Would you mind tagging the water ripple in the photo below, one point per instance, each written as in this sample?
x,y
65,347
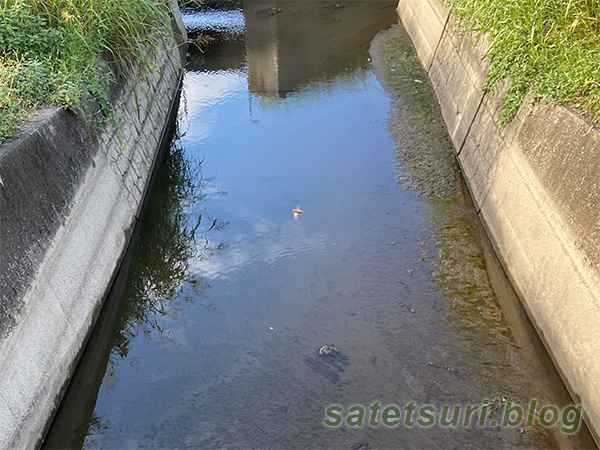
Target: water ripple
x,y
270,249
231,22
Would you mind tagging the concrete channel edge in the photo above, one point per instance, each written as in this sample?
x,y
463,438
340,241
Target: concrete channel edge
x,y
69,257
536,185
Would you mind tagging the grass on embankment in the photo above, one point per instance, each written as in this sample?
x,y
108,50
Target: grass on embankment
x,y
550,48
57,51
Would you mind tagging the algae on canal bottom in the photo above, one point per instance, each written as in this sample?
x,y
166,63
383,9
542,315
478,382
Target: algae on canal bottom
x,y
482,306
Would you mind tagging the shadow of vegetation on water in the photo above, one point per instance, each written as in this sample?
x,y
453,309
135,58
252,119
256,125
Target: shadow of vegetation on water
x,y
171,238
155,271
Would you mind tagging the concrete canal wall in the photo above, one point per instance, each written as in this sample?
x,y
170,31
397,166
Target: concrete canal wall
x,y
536,185
70,194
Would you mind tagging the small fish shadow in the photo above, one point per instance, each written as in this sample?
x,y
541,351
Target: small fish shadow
x,y
330,366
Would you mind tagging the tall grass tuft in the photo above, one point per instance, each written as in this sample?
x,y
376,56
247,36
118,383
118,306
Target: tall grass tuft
x,y
550,48
57,51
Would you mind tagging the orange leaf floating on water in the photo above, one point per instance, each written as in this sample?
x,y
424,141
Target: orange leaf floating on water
x,y
297,211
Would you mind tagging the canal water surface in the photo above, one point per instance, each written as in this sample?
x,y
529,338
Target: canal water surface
x,y
211,335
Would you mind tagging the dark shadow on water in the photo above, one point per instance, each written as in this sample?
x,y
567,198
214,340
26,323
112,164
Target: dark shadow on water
x,y
283,54
168,238
286,44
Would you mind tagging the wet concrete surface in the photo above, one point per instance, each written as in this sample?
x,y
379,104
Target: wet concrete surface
x,y
212,333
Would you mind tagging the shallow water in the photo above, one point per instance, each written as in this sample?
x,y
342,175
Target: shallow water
x,y
211,335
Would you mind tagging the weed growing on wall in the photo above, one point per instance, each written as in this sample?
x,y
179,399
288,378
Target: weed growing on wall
x,y
57,52
550,48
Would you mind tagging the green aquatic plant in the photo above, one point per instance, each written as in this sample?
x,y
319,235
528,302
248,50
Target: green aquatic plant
x,y
548,48
57,52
